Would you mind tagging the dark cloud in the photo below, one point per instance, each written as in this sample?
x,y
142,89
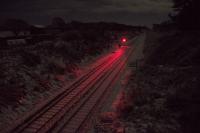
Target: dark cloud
x,y
122,11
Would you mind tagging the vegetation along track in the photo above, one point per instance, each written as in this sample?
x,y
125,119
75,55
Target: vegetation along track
x,y
69,110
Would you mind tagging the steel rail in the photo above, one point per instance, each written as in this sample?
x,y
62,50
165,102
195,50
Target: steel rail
x,y
41,111
28,122
86,109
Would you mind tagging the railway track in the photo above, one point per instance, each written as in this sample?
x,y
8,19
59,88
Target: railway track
x,y
70,110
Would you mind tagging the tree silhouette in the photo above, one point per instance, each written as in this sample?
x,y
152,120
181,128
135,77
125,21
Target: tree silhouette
x,y
16,25
187,14
58,22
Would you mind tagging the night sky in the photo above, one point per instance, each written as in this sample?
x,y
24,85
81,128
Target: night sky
x,y
133,12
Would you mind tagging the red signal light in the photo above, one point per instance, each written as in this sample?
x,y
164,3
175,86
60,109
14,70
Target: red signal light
x,y
124,40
